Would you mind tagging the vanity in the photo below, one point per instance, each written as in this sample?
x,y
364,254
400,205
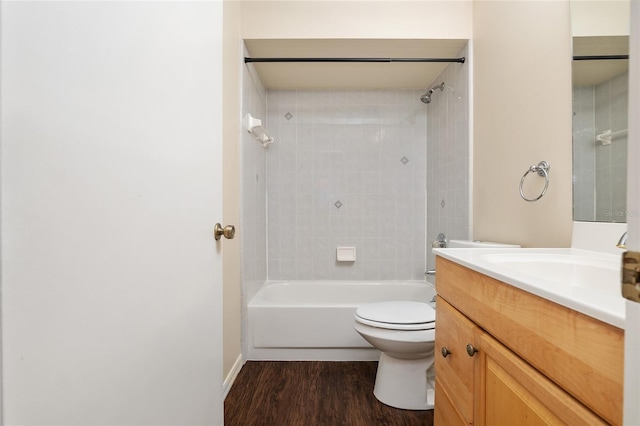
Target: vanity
x,y
528,336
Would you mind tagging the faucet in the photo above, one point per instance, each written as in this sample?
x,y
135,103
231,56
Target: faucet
x,y
440,242
622,243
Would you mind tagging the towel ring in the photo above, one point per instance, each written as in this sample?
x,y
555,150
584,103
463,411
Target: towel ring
x,y
542,169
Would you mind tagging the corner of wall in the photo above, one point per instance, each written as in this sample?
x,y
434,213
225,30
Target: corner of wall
x,y
231,183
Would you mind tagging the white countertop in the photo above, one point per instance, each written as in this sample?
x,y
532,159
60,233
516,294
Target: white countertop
x,y
582,280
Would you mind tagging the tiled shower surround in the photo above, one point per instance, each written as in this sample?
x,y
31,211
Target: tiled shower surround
x,y
448,158
254,190
348,168
253,184
600,170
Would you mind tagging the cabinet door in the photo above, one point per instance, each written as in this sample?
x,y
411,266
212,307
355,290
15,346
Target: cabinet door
x,y
512,392
445,413
455,371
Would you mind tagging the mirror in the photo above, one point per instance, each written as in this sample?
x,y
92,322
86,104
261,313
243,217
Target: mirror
x,y
600,110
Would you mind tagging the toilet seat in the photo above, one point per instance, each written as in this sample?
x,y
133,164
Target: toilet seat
x,y
397,315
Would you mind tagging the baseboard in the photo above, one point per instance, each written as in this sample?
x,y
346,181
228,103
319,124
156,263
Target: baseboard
x,y
313,354
231,377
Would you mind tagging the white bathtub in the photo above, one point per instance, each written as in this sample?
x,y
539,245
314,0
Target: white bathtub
x,y
313,320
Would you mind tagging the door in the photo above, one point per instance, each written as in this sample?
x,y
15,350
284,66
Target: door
x,y
632,327
111,186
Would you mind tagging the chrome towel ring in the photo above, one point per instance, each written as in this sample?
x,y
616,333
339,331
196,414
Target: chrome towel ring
x,y
542,169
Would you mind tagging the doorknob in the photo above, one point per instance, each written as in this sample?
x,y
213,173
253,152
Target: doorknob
x,y
228,231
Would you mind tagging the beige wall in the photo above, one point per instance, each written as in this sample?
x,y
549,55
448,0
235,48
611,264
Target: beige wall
x,y
522,115
232,286
356,19
600,18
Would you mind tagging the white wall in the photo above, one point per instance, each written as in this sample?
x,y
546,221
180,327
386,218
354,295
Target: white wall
x,y
110,188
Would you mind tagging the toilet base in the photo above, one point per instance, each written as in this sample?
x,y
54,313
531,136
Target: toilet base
x,y
405,383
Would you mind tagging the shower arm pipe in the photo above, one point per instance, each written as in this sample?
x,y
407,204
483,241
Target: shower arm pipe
x,y
600,57
384,60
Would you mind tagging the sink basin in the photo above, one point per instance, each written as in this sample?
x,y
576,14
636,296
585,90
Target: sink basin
x,y
589,272
582,280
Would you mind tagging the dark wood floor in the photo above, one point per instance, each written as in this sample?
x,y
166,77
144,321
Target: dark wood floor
x,y
310,393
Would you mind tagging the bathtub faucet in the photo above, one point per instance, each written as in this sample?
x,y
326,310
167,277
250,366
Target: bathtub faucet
x,y
440,242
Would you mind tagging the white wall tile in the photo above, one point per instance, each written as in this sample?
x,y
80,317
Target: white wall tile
x,y
448,159
253,179
354,157
347,145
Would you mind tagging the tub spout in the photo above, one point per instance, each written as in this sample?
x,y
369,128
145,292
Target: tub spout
x,y
431,272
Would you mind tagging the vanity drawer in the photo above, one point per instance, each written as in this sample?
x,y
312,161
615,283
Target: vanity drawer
x,y
584,356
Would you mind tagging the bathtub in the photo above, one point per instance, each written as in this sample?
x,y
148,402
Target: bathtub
x,y
313,320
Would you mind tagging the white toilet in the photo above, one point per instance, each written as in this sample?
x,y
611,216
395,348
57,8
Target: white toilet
x,y
405,333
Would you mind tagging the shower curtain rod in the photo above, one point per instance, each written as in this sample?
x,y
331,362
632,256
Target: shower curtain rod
x,y
458,60
599,57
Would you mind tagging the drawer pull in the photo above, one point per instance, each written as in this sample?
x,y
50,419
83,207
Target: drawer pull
x,y
445,352
471,351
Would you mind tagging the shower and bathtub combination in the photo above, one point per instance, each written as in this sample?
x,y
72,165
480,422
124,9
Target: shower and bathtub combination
x,y
346,167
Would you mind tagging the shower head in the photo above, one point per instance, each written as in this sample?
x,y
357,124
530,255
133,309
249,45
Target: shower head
x,y
426,98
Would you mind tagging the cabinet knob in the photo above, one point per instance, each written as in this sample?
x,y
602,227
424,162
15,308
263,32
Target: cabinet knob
x,y
471,351
445,352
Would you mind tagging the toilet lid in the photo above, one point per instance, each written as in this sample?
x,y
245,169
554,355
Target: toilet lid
x,y
400,315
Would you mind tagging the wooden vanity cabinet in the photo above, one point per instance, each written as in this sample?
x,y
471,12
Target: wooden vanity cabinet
x,y
529,362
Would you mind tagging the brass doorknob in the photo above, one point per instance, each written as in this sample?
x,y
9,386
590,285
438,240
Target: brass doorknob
x,y
228,231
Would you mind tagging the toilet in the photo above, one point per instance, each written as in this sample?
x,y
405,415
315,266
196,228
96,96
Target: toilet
x,y
404,332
